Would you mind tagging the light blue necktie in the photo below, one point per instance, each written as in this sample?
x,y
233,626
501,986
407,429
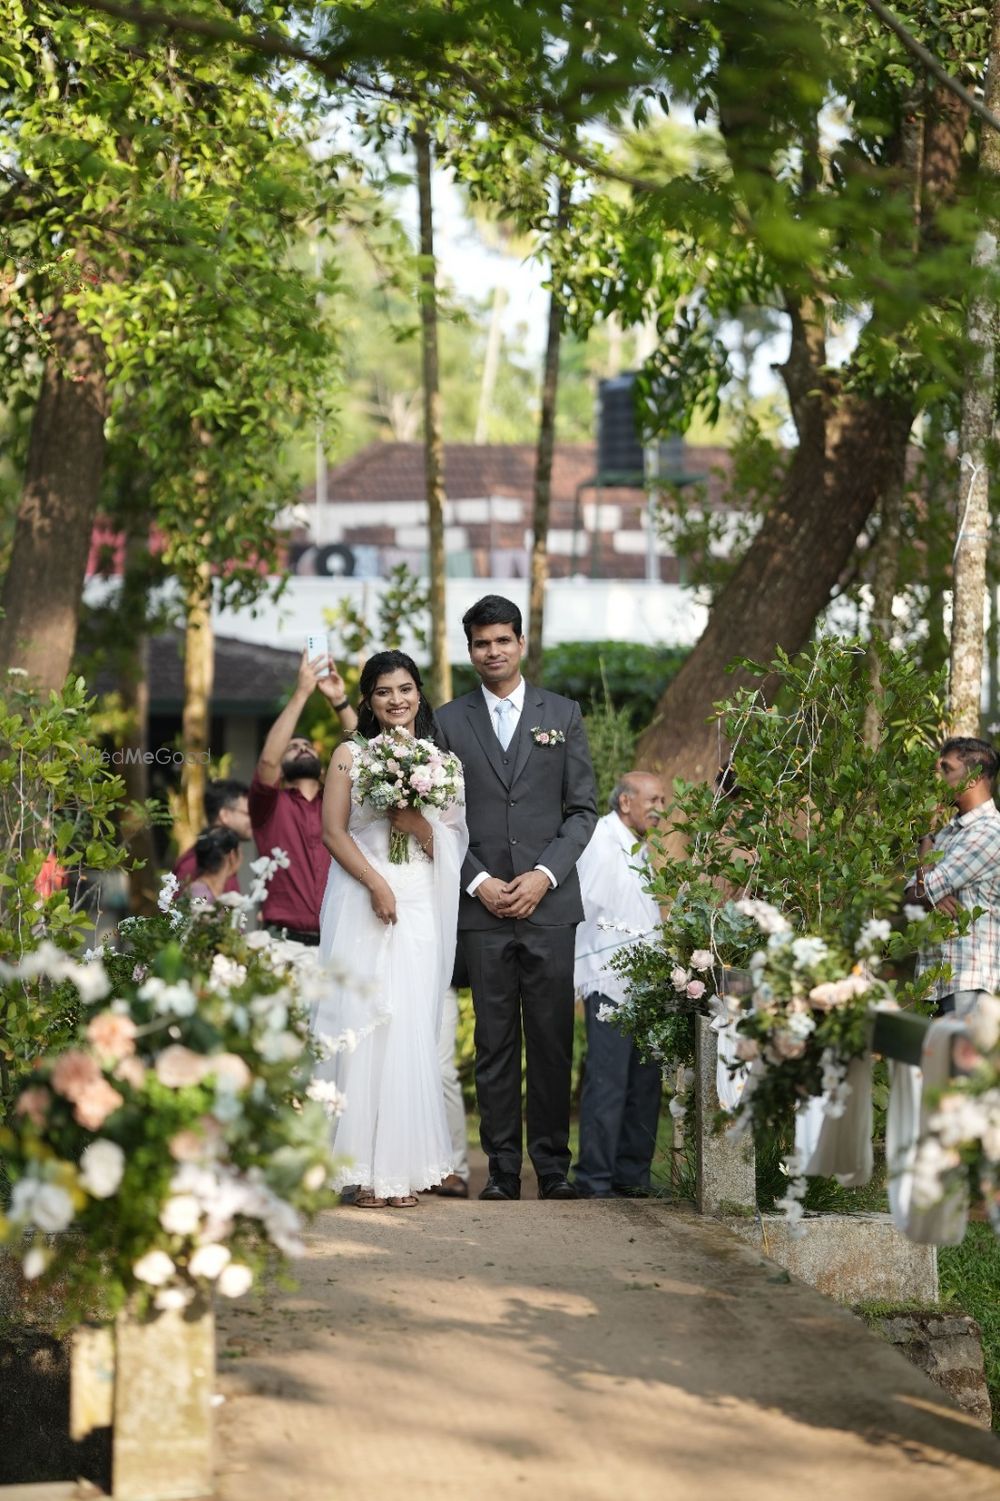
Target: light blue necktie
x,y
505,723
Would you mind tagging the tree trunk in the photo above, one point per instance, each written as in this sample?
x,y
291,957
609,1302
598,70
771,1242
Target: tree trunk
x,y
133,685
786,577
199,672
491,364
543,459
44,582
440,674
973,510
884,581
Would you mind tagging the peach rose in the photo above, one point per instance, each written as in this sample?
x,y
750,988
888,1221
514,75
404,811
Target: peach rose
x,y
229,1069
73,1073
34,1103
112,1036
131,1071
95,1104
177,1066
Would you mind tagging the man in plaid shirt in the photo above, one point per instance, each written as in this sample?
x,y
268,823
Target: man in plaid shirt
x,y
965,874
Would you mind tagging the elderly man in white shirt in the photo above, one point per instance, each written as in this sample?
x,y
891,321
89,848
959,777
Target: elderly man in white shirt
x,y
620,1108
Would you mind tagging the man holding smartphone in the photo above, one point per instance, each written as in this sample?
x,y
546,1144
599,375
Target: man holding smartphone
x,y
286,806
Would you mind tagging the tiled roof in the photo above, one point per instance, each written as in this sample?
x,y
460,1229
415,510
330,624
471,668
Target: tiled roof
x,y
249,678
395,471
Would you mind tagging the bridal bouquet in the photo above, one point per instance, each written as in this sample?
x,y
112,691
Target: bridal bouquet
x,y
395,770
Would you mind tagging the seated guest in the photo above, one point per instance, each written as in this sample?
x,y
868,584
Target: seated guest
x,y
217,858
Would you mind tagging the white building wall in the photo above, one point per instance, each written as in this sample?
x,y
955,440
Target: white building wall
x,y
575,610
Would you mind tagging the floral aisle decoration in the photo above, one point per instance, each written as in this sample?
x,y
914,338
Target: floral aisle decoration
x,y
179,1138
960,1145
396,770
806,1024
674,974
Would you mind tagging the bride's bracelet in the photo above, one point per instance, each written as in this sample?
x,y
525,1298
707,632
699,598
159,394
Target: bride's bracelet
x,y
362,873
427,844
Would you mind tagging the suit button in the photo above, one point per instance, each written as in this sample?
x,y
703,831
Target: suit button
x,y
513,802
513,841
506,760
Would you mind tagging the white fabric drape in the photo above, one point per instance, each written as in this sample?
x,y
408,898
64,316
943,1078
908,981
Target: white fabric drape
x,y
843,1147
944,1223
386,1014
729,1086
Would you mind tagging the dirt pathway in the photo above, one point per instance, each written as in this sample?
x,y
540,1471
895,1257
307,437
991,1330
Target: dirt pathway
x,y
570,1352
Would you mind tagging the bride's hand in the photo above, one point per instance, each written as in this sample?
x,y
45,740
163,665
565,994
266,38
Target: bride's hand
x,y
383,902
409,821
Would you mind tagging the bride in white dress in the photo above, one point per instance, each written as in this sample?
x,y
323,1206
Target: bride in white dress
x,y
393,928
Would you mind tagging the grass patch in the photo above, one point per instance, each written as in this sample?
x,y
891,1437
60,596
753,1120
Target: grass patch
x,y
970,1280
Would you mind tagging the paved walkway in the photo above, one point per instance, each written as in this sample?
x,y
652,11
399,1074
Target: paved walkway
x,y
570,1352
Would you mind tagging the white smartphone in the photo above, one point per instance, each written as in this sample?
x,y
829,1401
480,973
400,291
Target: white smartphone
x,y
317,645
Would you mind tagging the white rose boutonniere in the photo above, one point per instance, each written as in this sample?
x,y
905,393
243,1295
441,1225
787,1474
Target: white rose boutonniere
x,y
547,737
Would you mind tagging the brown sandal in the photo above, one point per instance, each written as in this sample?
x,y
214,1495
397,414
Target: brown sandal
x,y
406,1202
366,1199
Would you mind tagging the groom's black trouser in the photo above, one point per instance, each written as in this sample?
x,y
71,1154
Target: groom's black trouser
x,y
519,969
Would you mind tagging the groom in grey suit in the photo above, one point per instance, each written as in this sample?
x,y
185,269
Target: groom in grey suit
x,y
531,805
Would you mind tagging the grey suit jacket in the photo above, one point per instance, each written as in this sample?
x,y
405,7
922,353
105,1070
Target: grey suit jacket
x,y
527,805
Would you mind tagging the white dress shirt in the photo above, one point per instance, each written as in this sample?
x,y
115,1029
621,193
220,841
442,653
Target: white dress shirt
x,y
613,890
516,700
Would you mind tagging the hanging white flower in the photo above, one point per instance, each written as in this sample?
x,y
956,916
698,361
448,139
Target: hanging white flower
x,y
209,1261
328,1095
235,1280
173,1299
181,1215
155,1268
702,959
45,1205
177,998
102,1167
808,951
874,932
34,1263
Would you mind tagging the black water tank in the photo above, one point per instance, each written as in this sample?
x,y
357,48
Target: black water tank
x,y
619,441
619,446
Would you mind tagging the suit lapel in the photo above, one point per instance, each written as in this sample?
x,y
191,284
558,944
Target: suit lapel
x,y
479,718
523,744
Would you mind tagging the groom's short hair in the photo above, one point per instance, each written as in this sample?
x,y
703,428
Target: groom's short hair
x,y
492,609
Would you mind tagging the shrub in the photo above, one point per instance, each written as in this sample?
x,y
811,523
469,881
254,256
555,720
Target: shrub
x,y
59,801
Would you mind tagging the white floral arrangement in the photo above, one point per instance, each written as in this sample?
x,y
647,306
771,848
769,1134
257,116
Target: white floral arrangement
x,y
807,1017
542,736
961,1142
397,770
180,1136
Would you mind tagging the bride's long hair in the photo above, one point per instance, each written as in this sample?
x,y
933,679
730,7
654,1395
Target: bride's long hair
x,y
384,662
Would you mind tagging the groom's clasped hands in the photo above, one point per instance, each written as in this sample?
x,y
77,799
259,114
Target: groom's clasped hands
x,y
516,898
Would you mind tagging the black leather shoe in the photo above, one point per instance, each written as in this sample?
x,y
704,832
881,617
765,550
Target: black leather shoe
x,y
500,1186
632,1191
555,1186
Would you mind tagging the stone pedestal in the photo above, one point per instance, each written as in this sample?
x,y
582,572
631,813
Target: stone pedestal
x,y
726,1183
854,1258
152,1379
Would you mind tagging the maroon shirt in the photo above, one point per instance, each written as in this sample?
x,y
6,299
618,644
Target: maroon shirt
x,y
186,870
282,816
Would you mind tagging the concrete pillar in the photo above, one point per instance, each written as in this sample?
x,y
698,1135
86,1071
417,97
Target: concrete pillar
x,y
725,1183
164,1377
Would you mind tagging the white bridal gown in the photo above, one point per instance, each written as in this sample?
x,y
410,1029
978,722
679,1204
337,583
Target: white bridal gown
x,y
393,1135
